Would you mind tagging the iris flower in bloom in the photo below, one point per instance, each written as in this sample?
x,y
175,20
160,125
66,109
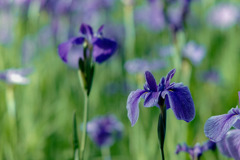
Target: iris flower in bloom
x,y
197,150
105,130
151,15
217,129
176,96
141,65
15,76
194,52
102,48
223,15
230,144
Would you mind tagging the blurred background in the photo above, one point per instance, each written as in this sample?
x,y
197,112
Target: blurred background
x,y
200,38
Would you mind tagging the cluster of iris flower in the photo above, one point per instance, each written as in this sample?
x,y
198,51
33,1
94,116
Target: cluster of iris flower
x,y
83,51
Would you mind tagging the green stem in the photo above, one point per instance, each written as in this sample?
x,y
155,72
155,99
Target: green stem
x,y
176,58
186,72
11,107
162,126
106,155
85,117
130,29
75,139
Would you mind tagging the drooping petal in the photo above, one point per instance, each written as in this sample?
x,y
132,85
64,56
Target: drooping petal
x,y
169,77
64,48
151,99
151,81
78,40
132,105
179,99
233,143
217,126
103,49
222,147
86,30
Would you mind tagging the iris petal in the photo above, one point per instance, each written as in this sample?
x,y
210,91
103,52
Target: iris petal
x,y
169,77
179,99
151,81
132,105
237,124
217,126
64,48
151,99
223,148
103,49
86,30
233,143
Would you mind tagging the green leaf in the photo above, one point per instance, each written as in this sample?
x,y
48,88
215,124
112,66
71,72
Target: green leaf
x,y
162,128
75,139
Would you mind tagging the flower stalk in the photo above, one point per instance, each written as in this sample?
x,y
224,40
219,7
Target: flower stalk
x,y
11,107
106,155
85,74
162,126
75,139
85,117
130,29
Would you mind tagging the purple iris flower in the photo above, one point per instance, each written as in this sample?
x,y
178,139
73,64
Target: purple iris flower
x,y
166,51
102,48
230,144
216,127
194,52
105,130
176,96
212,76
151,15
141,65
223,15
16,76
7,24
177,13
197,150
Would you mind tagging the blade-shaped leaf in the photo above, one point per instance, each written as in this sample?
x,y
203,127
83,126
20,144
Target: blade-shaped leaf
x,y
75,139
162,128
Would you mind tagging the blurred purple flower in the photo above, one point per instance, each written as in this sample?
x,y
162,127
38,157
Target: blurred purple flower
x,y
102,48
93,5
16,76
140,65
211,76
177,13
56,7
151,15
230,144
223,15
194,52
176,96
197,150
24,2
216,127
105,130
166,50
116,88
174,18
7,22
